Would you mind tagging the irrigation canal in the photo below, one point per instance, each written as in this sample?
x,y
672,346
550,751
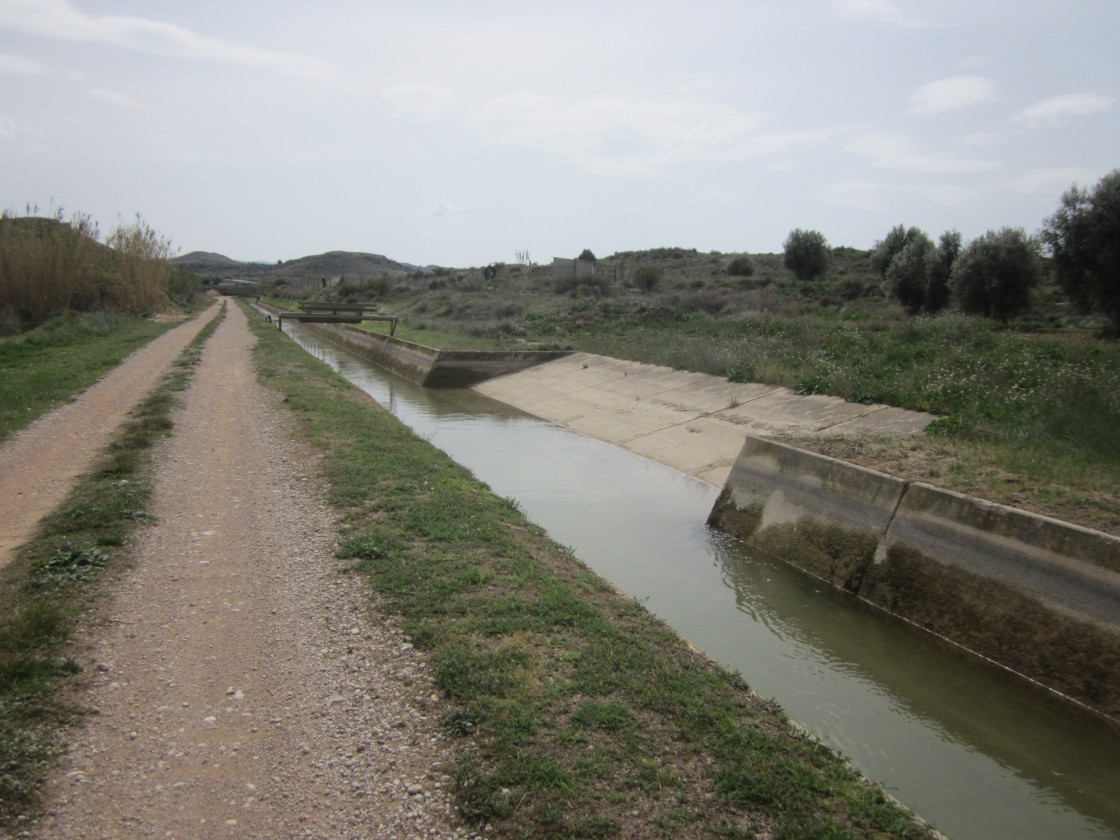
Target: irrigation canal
x,y
957,740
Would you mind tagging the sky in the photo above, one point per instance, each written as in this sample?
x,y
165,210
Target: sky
x,y
464,133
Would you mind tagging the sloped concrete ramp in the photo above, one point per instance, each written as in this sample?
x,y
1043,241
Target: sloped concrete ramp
x,y
693,422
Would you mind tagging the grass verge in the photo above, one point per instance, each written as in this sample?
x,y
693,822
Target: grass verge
x,y
580,714
45,367
54,579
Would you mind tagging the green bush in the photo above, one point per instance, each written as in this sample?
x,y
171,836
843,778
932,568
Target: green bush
x,y
805,253
994,275
741,267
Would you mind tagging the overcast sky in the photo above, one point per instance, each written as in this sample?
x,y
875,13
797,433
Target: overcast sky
x,y
459,133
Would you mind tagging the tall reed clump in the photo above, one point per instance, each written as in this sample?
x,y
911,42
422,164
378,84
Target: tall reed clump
x,y
49,265
140,259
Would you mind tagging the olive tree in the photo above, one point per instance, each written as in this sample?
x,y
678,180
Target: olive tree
x,y
937,285
994,274
908,273
1083,237
806,253
915,271
890,245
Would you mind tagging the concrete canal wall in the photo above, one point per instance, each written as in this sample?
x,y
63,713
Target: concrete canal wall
x,y
1038,596
425,365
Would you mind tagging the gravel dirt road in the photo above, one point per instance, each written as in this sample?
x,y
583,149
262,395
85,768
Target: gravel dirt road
x,y
40,464
243,686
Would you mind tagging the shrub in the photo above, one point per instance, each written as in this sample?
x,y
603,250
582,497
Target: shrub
x,y
908,274
647,278
1083,237
741,267
994,275
937,287
806,253
884,252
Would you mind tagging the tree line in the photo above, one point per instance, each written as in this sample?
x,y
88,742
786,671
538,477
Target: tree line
x,y
993,275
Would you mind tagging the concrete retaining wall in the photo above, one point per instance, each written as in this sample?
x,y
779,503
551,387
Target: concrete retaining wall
x,y
425,365
1035,595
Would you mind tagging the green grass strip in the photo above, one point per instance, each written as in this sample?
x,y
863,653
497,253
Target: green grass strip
x,y
54,579
51,364
579,713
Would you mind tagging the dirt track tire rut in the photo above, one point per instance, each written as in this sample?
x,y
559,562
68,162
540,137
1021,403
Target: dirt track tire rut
x,y
243,687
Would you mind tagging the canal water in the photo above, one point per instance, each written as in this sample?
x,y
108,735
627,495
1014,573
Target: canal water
x,y
958,741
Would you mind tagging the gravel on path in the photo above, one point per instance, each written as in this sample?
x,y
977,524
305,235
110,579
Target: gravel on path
x,y
39,465
243,685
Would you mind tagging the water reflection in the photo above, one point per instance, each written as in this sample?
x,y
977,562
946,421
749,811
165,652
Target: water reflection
x,y
960,742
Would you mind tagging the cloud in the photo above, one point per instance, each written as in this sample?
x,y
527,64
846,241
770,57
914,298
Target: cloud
x,y
875,195
10,129
898,152
629,138
952,94
113,97
424,100
60,20
446,207
1050,181
15,65
879,11
1057,109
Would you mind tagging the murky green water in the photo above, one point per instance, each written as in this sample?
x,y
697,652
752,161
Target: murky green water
x,y
960,742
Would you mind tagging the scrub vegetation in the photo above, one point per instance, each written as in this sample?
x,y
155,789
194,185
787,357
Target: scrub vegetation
x,y
54,579
579,713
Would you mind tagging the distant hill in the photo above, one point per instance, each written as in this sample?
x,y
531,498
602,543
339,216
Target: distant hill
x,y
203,258
350,265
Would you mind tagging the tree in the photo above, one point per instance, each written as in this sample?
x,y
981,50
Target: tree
x,y
885,250
587,255
994,274
806,253
1083,237
937,287
909,272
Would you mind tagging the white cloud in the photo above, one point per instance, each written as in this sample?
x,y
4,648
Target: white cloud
x,y
629,138
1050,181
60,20
113,97
952,94
446,207
10,129
874,195
862,195
424,100
900,153
15,65
879,11
1057,109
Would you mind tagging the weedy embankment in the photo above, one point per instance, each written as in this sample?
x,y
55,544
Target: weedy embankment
x,y
580,714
